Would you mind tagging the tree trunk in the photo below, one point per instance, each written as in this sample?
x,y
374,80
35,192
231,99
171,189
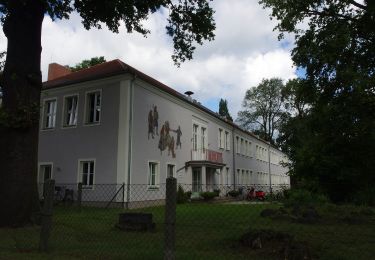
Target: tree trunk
x,y
19,122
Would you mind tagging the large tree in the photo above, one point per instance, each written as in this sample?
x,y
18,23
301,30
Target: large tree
x,y
263,108
332,144
189,23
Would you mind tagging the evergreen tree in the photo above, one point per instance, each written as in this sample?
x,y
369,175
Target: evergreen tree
x,y
223,110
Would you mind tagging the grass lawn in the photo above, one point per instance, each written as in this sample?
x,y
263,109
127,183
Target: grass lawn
x,y
204,231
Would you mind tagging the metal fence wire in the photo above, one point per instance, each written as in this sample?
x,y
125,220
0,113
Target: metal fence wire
x,y
181,221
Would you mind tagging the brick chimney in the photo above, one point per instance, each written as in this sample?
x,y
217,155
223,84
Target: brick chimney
x,y
56,71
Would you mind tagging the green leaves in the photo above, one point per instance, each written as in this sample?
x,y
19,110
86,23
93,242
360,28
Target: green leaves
x,y
263,108
87,63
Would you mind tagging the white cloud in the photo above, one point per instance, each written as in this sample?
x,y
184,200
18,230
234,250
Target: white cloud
x,y
244,52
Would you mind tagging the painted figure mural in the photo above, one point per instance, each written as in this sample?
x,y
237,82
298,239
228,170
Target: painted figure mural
x,y
153,122
167,140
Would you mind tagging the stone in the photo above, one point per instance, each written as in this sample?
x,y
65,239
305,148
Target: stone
x,y
136,222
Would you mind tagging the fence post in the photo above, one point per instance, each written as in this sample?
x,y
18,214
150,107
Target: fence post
x,y
46,213
79,196
123,195
170,218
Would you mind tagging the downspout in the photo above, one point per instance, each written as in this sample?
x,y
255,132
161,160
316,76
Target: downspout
x,y
234,160
269,166
130,138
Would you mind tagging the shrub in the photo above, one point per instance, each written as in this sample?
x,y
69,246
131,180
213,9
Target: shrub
x,y
208,195
234,193
303,198
217,191
182,196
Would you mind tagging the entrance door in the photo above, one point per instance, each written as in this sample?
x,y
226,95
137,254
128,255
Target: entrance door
x,y
197,180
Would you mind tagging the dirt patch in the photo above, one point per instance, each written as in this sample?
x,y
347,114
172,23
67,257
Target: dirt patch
x,y
279,244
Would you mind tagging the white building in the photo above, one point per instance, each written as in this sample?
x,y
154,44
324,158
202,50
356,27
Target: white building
x,y
112,124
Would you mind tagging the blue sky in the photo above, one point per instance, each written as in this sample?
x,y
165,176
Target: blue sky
x,y
245,51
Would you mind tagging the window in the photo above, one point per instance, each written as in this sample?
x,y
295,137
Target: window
x,y
171,170
246,146
70,110
195,137
241,147
238,176
93,107
227,141
249,149
203,138
49,113
153,175
87,172
220,138
227,177
243,180
238,144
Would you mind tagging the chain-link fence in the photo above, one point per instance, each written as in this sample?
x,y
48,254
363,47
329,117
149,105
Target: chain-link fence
x,y
106,221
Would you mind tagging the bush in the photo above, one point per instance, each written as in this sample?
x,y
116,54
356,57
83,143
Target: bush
x,y
182,196
303,198
217,191
208,195
234,193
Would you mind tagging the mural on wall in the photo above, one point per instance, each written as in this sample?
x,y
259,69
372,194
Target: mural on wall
x,y
167,139
153,122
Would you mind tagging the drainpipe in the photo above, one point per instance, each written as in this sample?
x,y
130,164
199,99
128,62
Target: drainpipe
x,y
234,160
130,138
269,166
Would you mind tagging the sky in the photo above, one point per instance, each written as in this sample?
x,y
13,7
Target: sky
x,y
245,51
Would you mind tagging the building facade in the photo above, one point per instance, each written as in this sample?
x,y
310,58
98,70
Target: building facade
x,y
112,124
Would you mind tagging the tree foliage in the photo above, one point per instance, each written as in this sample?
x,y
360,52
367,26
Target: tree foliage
x,y
263,108
189,22
87,63
223,110
332,142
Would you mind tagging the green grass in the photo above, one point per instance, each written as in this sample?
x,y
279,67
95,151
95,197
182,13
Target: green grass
x,y
204,231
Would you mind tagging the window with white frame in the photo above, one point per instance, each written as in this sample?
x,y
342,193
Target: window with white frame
x,y
171,170
195,137
249,149
246,152
70,110
87,173
93,107
242,147
221,138
238,149
203,139
227,177
49,117
227,141
153,174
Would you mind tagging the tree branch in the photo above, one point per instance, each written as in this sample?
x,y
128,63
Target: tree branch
x,y
358,4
